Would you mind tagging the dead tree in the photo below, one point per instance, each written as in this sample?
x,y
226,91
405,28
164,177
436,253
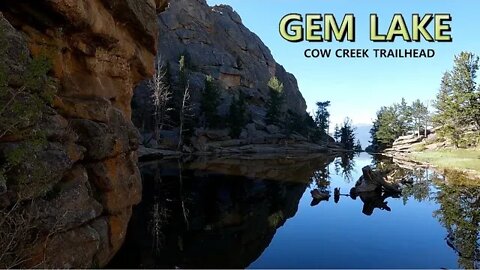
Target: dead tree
x,y
185,111
161,96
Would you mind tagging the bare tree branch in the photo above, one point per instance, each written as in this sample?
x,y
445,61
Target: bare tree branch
x,y
161,96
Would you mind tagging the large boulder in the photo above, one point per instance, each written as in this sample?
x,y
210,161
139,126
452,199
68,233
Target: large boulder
x,y
372,181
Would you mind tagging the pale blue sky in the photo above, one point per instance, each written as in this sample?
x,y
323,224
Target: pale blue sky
x,y
357,88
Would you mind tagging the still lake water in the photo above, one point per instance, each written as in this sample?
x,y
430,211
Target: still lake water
x,y
244,213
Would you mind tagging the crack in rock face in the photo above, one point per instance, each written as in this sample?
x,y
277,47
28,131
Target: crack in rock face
x,y
100,50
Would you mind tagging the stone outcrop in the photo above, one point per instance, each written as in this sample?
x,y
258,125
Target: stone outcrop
x,y
218,44
100,49
373,180
215,43
414,142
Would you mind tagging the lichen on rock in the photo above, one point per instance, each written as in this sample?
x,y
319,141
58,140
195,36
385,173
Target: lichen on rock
x,y
99,50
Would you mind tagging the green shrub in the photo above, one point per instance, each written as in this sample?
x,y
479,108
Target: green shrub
x,y
237,116
21,109
274,104
210,102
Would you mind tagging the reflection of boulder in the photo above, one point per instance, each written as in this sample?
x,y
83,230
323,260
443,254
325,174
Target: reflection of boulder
x,y
371,200
318,196
373,190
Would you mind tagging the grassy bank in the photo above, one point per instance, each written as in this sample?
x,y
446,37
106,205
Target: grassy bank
x,y
455,159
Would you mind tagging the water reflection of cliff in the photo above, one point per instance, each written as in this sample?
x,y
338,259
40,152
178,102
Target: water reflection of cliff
x,y
217,214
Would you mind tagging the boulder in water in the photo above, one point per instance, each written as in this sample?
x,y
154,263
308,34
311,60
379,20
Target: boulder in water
x,y
372,180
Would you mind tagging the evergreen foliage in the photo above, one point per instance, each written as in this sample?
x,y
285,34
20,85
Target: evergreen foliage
x,y
275,102
347,135
237,116
397,120
419,115
358,147
322,116
458,100
457,110
210,102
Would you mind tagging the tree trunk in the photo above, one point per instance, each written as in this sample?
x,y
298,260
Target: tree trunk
x,y
183,111
426,128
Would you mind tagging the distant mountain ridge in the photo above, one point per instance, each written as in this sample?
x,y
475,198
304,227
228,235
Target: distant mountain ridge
x,y
363,134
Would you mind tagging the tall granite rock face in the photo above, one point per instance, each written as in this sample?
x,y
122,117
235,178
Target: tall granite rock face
x,y
216,43
100,50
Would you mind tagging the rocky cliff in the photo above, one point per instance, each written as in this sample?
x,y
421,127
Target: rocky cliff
x,y
218,44
99,49
215,43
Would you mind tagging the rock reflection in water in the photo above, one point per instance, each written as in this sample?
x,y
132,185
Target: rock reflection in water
x,y
373,199
217,214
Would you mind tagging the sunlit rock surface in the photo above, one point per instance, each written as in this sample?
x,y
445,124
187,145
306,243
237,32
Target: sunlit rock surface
x,y
215,43
100,50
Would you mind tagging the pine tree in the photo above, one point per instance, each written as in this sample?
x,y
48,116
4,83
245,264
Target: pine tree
x,y
322,116
294,123
358,146
210,102
458,101
336,133
237,117
313,132
464,87
405,116
375,144
387,128
274,104
419,114
347,135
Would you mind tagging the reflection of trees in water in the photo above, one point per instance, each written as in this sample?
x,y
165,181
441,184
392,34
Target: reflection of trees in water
x,y
344,165
459,213
159,217
420,183
420,191
158,214
459,205
416,181
321,179
372,200
205,218
182,194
